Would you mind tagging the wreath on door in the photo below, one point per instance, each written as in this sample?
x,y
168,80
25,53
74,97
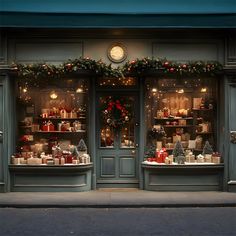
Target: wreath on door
x,y
116,112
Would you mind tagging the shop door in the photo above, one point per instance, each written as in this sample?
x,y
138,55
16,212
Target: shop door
x,y
117,145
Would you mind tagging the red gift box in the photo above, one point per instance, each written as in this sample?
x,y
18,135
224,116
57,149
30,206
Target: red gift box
x,y
48,127
68,159
161,155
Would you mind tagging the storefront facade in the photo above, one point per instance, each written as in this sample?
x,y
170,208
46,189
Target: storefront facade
x,y
43,119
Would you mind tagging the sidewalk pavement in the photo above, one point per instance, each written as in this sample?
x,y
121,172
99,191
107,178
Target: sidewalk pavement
x,y
115,198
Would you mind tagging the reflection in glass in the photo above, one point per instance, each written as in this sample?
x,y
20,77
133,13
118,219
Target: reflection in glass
x,y
114,82
127,135
107,136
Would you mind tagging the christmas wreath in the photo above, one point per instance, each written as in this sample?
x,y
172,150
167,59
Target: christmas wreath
x,y
116,112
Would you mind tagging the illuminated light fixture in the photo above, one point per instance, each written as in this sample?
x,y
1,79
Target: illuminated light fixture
x,y
180,91
24,90
79,90
154,90
53,95
203,90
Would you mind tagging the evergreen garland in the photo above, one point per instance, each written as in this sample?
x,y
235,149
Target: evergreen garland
x,y
33,72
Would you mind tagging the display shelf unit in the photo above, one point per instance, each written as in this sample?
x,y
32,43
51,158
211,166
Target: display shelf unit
x,y
51,178
188,177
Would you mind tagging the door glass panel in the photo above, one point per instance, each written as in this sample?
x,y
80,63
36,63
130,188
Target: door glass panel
x,y
107,136
127,135
117,121
106,130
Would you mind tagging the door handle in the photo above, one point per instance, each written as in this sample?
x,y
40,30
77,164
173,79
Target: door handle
x,y
136,145
1,133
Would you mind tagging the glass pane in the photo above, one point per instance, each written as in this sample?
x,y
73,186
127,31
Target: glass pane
x,y
117,82
106,130
181,110
127,136
116,120
107,137
52,119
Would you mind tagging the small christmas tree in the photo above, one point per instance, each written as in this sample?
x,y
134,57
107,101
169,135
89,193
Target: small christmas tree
x,y
178,150
82,146
150,152
207,149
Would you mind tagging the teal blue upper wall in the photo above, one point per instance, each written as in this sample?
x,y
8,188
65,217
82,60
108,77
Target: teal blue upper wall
x,y
117,14
120,6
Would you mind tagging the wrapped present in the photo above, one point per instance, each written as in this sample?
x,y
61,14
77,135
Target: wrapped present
x,y
190,158
48,126
15,160
168,161
62,161
208,158
85,158
56,161
182,122
216,158
198,142
161,155
63,113
35,127
176,138
72,114
77,126
34,161
65,126
200,158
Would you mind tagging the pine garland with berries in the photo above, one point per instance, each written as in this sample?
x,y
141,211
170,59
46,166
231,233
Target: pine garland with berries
x,y
34,72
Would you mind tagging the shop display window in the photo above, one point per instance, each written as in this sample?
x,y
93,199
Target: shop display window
x,y
52,123
180,118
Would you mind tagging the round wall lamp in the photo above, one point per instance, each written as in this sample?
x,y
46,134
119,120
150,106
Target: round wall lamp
x,y
117,52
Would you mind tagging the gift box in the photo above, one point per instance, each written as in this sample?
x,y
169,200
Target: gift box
x,y
63,113
208,158
182,122
35,127
15,160
161,155
168,161
49,126
200,158
34,161
216,158
72,114
190,158
176,138
197,103
68,159
65,126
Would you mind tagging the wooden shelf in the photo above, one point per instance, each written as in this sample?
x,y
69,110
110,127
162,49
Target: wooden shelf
x,y
205,109
177,126
78,118
174,118
204,133
62,132
197,150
